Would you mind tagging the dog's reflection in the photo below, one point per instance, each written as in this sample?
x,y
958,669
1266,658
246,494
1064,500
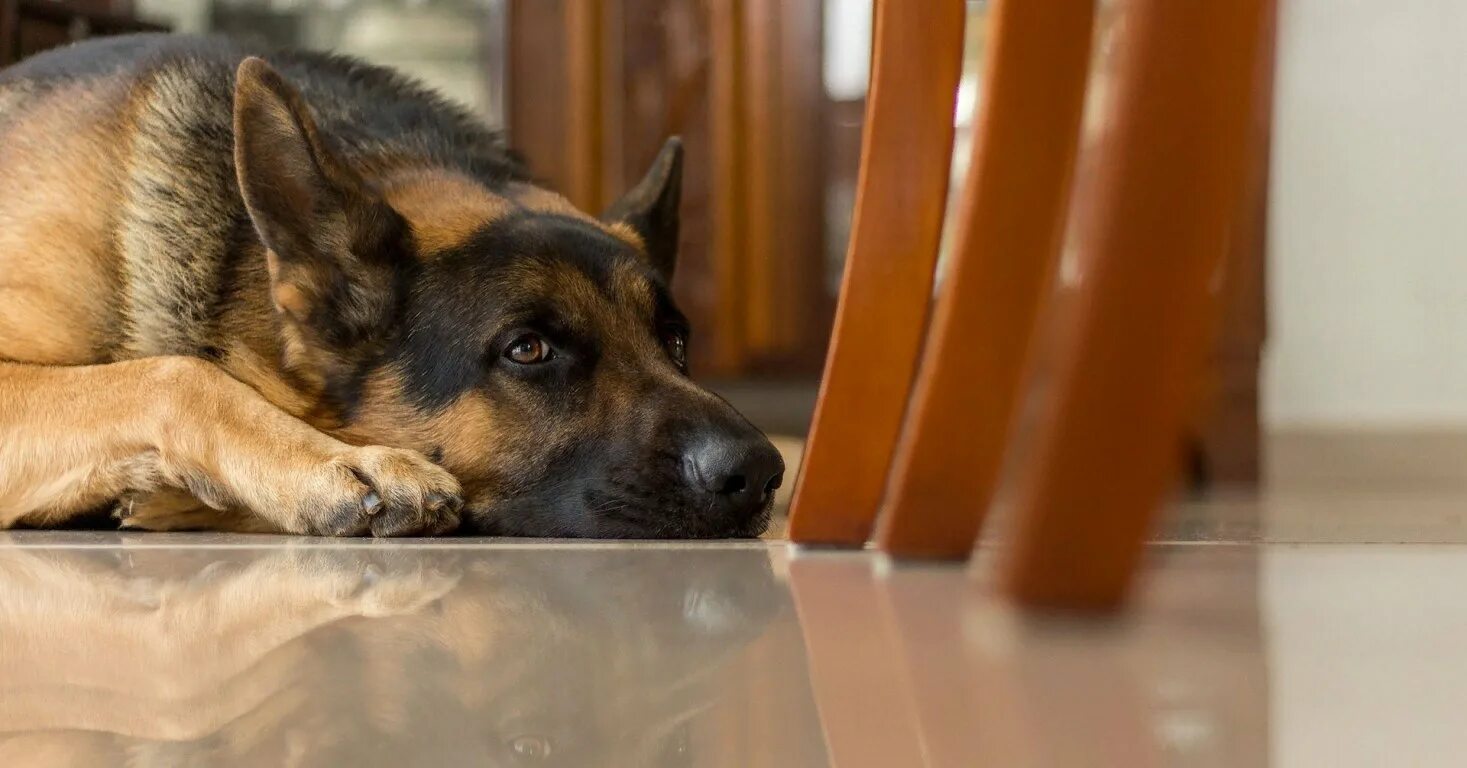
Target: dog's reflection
x,y
351,656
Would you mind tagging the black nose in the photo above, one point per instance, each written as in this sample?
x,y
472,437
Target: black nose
x,y
740,471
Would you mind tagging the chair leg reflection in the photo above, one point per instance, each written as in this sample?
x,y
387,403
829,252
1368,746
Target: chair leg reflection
x,y
919,665
862,696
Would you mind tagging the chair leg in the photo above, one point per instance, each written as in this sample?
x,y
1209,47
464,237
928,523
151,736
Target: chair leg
x,y
905,158
1012,222
1136,327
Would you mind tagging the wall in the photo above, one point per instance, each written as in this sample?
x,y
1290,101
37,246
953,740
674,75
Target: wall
x,y
1368,241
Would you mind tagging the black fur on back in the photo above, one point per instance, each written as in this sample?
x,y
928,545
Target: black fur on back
x,y
370,113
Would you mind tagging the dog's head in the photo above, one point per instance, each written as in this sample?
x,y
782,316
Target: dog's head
x,y
534,351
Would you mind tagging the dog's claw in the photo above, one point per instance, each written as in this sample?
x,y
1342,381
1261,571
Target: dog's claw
x,y
444,507
439,501
393,492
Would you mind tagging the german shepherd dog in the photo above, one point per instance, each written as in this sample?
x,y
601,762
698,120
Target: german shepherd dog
x,y
268,290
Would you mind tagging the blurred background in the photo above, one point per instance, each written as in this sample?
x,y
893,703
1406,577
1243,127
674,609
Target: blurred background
x,y
1340,360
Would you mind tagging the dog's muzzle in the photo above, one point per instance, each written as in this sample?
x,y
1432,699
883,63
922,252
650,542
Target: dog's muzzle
x,y
737,472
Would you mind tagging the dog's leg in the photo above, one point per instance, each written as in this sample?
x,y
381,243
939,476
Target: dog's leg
x,y
175,509
75,438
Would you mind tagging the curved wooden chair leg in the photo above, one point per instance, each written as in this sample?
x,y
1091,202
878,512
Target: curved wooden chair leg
x,y
1012,223
1159,208
905,158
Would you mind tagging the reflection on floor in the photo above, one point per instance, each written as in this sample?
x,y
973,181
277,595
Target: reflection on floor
x,y
168,650
219,650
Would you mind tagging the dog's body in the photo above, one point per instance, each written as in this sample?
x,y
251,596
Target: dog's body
x,y
310,296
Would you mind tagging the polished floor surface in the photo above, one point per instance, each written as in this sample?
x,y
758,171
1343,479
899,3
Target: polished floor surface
x,y
170,650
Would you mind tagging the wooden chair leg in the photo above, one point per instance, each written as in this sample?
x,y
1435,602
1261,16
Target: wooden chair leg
x,y
1229,438
905,158
1012,223
1160,204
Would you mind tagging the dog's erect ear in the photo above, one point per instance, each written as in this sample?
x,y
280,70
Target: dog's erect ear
x,y
333,245
651,207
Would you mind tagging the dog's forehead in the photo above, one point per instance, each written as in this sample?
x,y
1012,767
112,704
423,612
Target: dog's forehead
x,y
596,296
586,275
446,210
521,250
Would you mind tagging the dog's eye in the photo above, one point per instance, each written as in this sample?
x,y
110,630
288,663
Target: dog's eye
x,y
677,346
529,349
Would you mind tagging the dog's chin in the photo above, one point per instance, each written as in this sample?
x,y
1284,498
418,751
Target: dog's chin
x,y
690,523
676,519
530,518
755,527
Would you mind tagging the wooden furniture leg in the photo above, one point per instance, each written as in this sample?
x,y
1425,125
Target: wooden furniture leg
x,y
887,287
1229,435
1135,332
1012,224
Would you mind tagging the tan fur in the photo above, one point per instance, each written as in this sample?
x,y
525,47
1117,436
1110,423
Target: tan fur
x,y
136,426
545,201
55,226
621,231
444,208
460,433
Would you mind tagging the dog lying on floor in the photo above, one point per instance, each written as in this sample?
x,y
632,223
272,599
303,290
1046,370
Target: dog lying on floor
x,y
259,290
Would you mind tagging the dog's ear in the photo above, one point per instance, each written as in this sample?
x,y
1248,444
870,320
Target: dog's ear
x,y
333,246
651,207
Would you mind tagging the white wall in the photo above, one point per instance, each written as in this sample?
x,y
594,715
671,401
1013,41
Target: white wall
x,y
1368,241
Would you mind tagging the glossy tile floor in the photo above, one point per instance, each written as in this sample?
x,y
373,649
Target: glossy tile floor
x,y
1319,624
168,650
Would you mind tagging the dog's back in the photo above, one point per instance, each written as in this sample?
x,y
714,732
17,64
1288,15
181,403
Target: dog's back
x,y
120,213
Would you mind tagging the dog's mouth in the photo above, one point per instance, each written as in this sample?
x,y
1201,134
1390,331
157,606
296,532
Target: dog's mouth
x,y
701,479
602,517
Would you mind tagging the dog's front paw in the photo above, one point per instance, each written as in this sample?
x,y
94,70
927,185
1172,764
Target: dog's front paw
x,y
384,492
